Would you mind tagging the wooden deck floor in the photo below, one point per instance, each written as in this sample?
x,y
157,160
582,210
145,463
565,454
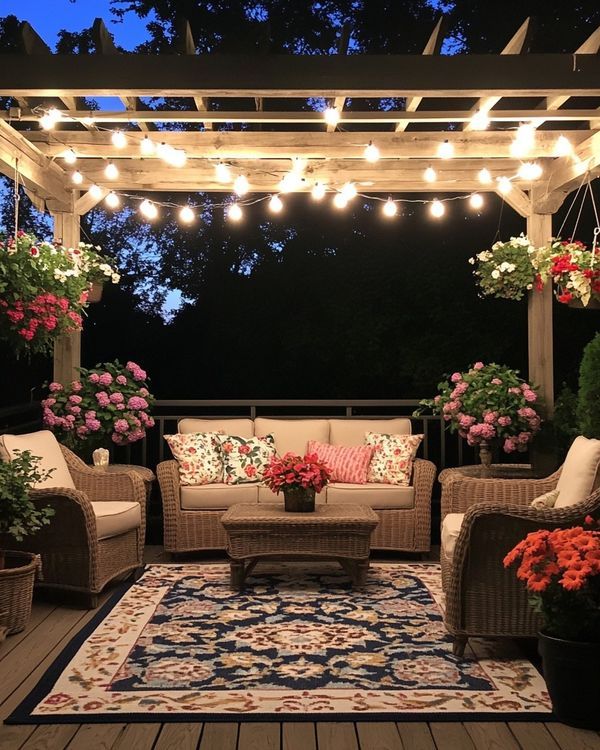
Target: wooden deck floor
x,y
25,657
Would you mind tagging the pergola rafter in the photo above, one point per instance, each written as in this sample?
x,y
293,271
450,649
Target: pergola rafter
x,y
260,141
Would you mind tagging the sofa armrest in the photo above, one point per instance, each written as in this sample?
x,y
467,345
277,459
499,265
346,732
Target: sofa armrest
x,y
168,480
423,478
73,521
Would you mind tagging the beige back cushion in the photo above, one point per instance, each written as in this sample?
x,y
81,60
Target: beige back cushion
x,y
580,473
352,431
242,427
292,435
46,446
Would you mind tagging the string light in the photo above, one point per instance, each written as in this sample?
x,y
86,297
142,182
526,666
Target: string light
x,y
484,176
95,192
119,139
70,156
371,152
446,150
186,215
298,164
340,200
563,147
87,121
289,182
148,209
530,171
234,212
437,208
524,140
430,175
504,185
77,177
177,157
331,115
480,120
112,200
476,201
318,191
222,172
275,204
50,118
111,172
241,185
147,147
389,208
348,191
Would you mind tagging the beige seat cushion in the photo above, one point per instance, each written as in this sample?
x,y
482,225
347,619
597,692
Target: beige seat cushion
x,y
242,427
352,431
580,472
450,530
217,496
46,446
114,518
292,435
266,496
378,496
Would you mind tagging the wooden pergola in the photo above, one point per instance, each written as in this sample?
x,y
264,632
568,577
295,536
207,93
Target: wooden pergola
x,y
272,124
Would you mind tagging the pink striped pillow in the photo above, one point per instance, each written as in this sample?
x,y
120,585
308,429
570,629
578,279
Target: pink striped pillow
x,y
347,463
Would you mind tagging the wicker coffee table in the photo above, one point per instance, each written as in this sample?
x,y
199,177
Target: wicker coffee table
x,y
333,532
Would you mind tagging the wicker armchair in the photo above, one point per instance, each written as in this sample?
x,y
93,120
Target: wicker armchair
x,y
482,597
73,557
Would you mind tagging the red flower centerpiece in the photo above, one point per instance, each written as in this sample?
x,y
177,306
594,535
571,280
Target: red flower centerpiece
x,y
299,478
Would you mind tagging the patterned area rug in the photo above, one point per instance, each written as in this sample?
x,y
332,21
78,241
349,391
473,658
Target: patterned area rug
x,y
297,643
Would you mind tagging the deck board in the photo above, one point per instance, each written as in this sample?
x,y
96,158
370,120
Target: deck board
x,y
25,657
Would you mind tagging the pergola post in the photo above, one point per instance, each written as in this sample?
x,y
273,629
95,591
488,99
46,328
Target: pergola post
x,y
539,320
67,349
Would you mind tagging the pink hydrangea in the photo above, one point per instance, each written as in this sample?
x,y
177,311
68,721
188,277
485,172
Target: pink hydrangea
x,y
116,398
75,399
82,431
456,377
75,409
105,379
491,417
510,445
529,396
90,414
92,424
121,380
47,402
55,387
478,366
76,386
515,391
137,402
121,425
527,412
504,421
102,398
466,421
94,378
144,392
496,381
524,437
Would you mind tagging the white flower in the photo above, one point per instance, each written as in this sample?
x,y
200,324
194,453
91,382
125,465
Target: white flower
x,y
472,261
529,287
504,266
116,278
484,256
510,267
495,274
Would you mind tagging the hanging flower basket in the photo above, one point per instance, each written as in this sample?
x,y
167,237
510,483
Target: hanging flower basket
x,y
575,271
95,293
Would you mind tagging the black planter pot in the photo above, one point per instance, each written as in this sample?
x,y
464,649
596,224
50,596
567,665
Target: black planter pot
x,y
571,670
299,500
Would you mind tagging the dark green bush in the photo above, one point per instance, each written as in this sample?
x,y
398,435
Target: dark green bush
x,y
588,401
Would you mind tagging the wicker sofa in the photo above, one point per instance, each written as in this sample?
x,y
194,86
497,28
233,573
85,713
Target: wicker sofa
x,y
192,513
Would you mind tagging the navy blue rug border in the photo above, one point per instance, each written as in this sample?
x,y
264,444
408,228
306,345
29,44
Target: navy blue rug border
x,y
22,714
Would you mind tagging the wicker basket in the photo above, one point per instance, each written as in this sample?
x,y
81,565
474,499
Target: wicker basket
x,y
16,590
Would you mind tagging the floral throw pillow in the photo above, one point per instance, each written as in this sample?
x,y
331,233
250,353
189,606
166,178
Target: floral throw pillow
x,y
245,459
347,463
393,457
198,455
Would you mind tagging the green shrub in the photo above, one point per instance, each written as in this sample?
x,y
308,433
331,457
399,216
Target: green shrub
x,y
588,401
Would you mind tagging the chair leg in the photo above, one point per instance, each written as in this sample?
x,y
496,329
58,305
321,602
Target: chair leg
x,y
92,601
459,644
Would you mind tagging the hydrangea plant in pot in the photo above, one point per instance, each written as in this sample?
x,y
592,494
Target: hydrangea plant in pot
x,y
561,571
299,478
19,517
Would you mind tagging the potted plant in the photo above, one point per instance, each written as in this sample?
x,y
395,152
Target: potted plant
x,y
299,478
575,271
19,517
488,404
560,569
109,403
98,268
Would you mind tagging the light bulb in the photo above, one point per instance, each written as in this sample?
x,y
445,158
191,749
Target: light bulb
x,y
340,200
476,201
480,120
389,208
50,118
437,209
318,191
148,209
241,185
563,146
526,132
77,177
331,115
112,200
95,192
118,138
430,175
530,171
371,152
298,164
186,215
446,150
234,212
348,191
147,146
111,172
275,204
70,156
504,185
484,176
163,150
222,172
524,140
289,182
177,157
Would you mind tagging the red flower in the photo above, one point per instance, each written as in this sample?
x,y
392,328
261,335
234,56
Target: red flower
x,y
565,297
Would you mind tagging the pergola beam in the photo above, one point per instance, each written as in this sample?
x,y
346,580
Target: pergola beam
x,y
302,75
186,44
589,47
518,200
343,42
